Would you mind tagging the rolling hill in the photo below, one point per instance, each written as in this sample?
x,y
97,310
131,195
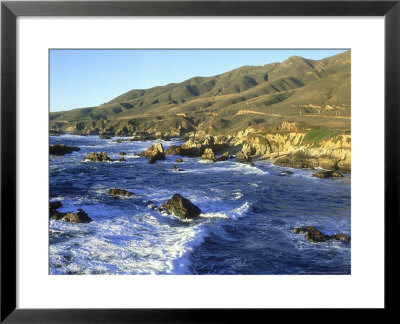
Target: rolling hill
x,y
314,94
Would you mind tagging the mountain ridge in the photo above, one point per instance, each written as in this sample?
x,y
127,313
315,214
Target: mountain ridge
x,y
312,93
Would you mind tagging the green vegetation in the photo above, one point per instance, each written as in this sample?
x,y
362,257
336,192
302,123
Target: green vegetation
x,y
317,135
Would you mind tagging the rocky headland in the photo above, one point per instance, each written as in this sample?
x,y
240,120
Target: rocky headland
x,y
290,150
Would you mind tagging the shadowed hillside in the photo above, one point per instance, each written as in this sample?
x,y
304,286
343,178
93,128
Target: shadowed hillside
x,y
312,94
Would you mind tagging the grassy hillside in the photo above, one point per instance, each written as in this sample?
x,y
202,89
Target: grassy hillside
x,y
315,94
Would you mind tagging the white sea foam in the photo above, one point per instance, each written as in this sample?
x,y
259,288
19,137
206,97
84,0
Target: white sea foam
x,y
131,156
234,214
236,168
238,195
125,245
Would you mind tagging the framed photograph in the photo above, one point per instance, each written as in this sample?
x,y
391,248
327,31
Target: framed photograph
x,y
184,161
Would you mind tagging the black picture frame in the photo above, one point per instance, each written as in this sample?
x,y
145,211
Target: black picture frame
x,y
10,10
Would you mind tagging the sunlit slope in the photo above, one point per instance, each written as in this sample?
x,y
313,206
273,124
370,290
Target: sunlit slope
x,y
308,91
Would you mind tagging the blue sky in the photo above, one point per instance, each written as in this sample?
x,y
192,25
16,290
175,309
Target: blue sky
x,y
85,78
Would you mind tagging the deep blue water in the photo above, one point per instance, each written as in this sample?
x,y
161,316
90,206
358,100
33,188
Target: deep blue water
x,y
248,214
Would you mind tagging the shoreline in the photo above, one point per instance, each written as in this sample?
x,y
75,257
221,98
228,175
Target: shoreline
x,y
288,149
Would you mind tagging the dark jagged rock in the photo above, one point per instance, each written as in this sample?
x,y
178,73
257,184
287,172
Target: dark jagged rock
x,y
323,174
56,132
152,160
217,147
176,168
209,141
61,149
173,150
194,151
121,159
79,217
244,158
93,131
97,157
313,235
286,172
181,207
119,192
299,230
53,212
122,153
55,204
154,152
152,207
208,155
178,160
341,237
223,157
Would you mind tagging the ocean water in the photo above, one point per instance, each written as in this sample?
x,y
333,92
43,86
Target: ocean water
x,y
248,214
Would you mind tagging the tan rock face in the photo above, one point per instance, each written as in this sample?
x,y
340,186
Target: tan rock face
x,y
208,155
333,153
338,142
79,217
97,157
154,149
119,192
339,159
154,152
245,158
290,126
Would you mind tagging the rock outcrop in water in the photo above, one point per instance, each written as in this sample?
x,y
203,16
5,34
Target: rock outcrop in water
x,y
79,217
97,157
53,212
176,168
119,192
315,236
341,237
61,149
196,145
173,150
154,152
244,158
323,174
223,157
208,155
285,173
179,160
181,207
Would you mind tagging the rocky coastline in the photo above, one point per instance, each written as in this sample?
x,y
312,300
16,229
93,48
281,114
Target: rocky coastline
x,y
286,145
286,149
